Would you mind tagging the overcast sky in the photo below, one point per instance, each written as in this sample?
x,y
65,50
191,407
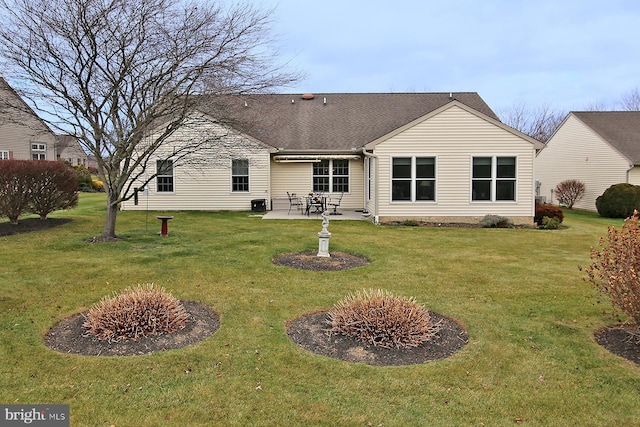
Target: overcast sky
x,y
567,54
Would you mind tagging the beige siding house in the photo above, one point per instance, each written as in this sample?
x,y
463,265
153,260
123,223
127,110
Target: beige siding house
x,y
70,150
473,166
598,148
228,172
23,135
424,156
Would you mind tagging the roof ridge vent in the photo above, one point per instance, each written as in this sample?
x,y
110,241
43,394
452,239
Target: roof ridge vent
x,y
308,96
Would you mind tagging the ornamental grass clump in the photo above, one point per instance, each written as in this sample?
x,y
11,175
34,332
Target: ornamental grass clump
x,y
135,313
378,318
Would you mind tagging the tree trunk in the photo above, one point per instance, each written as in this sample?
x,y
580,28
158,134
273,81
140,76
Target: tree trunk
x,y
109,231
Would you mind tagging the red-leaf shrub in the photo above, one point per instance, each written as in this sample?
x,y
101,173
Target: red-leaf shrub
x,y
36,186
569,192
54,186
15,180
614,270
550,211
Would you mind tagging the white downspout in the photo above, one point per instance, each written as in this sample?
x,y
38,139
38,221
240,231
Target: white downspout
x,y
376,218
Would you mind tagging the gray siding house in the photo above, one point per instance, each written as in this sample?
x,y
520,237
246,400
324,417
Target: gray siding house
x,y
422,156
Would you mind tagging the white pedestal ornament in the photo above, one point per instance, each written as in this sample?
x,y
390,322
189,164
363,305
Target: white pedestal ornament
x,y
323,237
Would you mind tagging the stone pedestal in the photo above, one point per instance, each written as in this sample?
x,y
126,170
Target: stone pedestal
x,y
323,243
323,237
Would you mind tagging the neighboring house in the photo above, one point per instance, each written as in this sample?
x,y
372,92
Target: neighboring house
x,y
598,148
425,156
70,150
23,135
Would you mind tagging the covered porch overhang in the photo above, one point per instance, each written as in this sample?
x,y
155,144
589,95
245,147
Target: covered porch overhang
x,y
312,158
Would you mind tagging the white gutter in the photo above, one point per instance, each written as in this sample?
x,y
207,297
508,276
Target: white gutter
x,y
311,158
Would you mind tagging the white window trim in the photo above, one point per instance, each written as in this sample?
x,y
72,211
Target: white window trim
x,y
4,155
331,191
231,175
173,175
413,179
494,178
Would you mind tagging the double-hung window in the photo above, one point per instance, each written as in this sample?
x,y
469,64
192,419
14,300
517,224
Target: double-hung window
x,y
493,179
240,175
331,176
4,155
38,151
413,179
164,177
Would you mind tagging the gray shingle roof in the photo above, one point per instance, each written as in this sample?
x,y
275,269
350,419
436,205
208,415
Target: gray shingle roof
x,y
621,129
333,121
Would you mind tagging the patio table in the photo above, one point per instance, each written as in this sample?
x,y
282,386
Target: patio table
x,y
316,203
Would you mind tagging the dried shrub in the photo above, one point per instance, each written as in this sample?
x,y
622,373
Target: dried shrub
x,y
495,221
614,270
136,312
378,318
550,211
569,192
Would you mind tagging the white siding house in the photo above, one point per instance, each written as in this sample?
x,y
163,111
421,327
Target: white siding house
x,y
598,148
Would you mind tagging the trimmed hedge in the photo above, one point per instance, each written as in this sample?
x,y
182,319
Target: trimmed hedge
x,y
619,201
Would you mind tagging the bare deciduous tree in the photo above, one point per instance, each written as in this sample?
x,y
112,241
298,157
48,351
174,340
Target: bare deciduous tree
x,y
569,192
539,123
110,72
631,100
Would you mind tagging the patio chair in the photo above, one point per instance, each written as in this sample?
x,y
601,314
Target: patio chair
x,y
335,202
294,202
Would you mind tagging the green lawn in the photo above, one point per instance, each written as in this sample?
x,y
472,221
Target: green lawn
x,y
531,358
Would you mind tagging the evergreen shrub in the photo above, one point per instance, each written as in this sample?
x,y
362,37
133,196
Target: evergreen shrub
x,y
619,201
495,221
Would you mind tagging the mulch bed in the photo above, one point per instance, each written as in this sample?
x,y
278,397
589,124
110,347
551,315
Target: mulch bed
x,y
309,332
310,261
69,336
29,225
621,340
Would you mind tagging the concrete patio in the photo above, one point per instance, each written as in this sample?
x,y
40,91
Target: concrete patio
x,y
349,215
